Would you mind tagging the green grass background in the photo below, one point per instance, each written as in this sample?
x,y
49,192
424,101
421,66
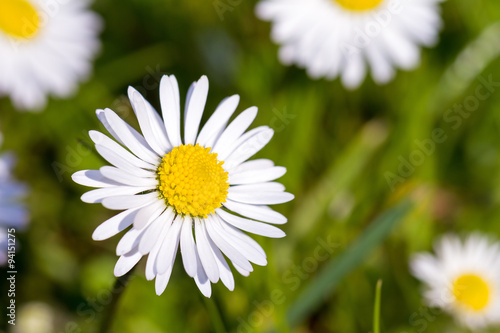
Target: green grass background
x,y
337,146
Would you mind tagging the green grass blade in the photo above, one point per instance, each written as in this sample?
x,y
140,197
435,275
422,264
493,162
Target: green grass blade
x,y
346,169
337,269
215,315
376,308
467,67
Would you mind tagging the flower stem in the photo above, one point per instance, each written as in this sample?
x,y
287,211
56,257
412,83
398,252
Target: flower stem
x,y
118,289
376,310
215,316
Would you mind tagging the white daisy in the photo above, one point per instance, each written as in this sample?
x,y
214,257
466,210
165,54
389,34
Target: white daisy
x,y
463,278
12,213
332,38
46,47
170,187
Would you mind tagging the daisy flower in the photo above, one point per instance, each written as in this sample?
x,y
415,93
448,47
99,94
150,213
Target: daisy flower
x,y
12,213
172,185
46,48
332,38
463,278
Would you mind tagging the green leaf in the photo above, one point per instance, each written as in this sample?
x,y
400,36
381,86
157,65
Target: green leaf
x,y
376,308
338,268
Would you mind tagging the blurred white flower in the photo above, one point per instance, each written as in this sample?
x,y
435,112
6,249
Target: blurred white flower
x,y
47,48
170,187
463,278
35,317
12,213
332,38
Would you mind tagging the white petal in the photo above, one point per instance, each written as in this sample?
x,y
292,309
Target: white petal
x,y
202,280
129,201
92,178
188,249
130,138
217,121
194,110
114,225
104,140
206,257
126,262
153,254
122,163
237,127
241,238
402,51
260,198
129,241
240,270
166,256
149,213
242,243
234,255
126,178
228,147
162,280
225,273
96,196
381,68
151,124
261,213
425,267
258,187
151,236
170,108
188,97
252,226
354,72
248,147
253,165
232,147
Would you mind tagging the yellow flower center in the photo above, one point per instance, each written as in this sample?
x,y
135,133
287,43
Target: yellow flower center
x,y
18,18
192,180
471,291
359,5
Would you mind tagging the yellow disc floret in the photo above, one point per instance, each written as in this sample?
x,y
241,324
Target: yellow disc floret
x,y
18,18
359,5
192,180
472,292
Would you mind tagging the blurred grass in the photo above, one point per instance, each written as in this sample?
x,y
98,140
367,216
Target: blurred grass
x,y
337,146
337,269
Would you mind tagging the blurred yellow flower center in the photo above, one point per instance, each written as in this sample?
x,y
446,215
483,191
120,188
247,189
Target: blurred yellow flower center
x,y
18,18
192,180
359,5
472,292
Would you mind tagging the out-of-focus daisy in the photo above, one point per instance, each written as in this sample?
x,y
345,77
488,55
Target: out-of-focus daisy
x,y
334,38
46,48
12,213
172,181
463,278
